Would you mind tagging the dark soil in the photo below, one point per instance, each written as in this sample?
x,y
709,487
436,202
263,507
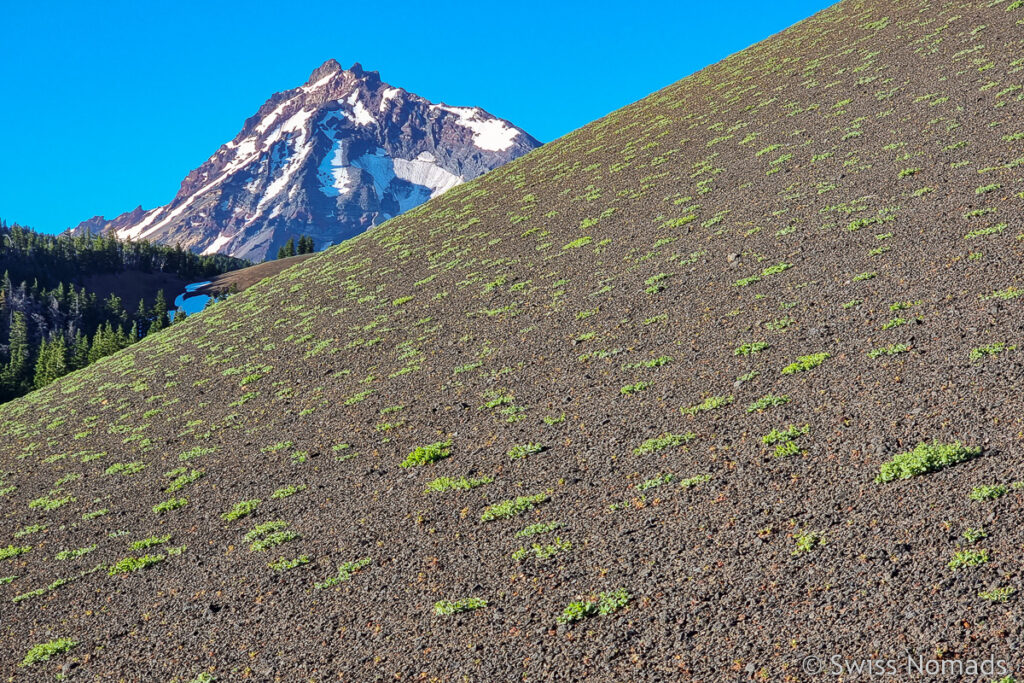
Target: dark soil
x,y
485,318
242,279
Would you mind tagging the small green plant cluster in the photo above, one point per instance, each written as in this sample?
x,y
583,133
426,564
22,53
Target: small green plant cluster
x,y
890,350
539,528
968,558
541,551
655,482
923,459
988,492
974,535
605,604
424,455
345,572
44,651
269,535
664,441
134,564
241,509
989,350
283,565
634,388
126,469
182,478
523,450
750,348
442,484
13,551
807,541
784,440
503,403
445,608
694,481
76,553
805,363
149,542
286,491
170,504
708,404
511,508
767,401
1001,594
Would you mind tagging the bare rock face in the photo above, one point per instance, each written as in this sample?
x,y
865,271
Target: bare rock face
x,y
331,158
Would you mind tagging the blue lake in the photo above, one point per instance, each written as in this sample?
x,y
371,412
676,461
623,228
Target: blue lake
x,y
191,304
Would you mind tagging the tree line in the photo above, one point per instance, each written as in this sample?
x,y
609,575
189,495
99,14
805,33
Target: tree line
x,y
50,324
305,246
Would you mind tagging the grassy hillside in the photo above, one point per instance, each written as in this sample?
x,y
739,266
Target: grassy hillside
x,y
725,379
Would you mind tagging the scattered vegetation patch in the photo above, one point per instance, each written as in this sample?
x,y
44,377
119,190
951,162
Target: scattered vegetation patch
x,y
968,558
283,565
44,651
511,508
751,348
170,504
923,459
241,509
663,442
605,604
889,350
134,564
807,541
424,455
345,572
708,404
804,363
442,484
767,401
444,608
13,551
988,492
541,551
523,450
989,350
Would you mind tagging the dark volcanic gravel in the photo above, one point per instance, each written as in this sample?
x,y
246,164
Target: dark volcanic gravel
x,y
865,165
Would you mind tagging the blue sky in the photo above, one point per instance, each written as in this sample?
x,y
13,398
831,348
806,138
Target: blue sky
x,y
107,105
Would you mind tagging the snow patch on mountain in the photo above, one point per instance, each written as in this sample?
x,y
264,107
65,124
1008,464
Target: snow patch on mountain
x,y
360,114
488,133
217,244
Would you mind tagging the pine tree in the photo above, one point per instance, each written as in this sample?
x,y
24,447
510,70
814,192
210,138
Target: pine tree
x,y
142,318
80,354
15,374
52,362
100,346
160,317
288,249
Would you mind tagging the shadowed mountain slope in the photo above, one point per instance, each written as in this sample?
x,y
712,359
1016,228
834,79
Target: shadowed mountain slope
x,y
329,159
657,369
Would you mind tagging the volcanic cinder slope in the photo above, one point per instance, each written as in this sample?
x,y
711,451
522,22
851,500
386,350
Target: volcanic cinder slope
x,y
819,235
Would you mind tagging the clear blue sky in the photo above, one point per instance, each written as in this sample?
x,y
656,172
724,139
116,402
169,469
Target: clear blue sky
x,y
107,105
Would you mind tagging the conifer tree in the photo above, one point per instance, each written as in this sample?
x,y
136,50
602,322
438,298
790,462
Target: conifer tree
x,y
52,361
160,317
15,374
80,353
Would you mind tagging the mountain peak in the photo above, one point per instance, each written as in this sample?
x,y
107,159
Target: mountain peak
x,y
328,159
331,66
